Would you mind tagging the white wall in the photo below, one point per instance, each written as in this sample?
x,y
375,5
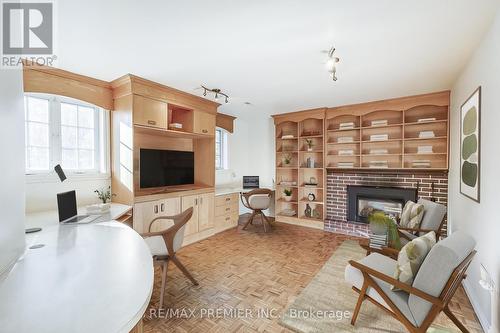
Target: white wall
x,y
11,168
41,195
482,221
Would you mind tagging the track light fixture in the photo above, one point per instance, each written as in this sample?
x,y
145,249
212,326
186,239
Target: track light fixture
x,y
216,92
331,63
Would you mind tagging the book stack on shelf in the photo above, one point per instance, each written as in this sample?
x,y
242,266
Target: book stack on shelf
x,y
345,139
347,126
379,122
346,152
424,150
421,163
379,137
379,151
426,135
378,241
345,165
288,136
425,120
288,183
379,164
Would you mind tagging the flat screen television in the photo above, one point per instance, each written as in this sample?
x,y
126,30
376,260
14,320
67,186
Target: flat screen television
x,y
160,168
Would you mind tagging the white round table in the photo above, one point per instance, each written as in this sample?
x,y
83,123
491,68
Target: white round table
x,y
86,278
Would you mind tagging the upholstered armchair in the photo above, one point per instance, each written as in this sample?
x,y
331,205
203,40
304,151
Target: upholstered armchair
x,y
433,220
257,200
416,305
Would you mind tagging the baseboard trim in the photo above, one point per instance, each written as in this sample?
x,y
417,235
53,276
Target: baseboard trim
x,y
485,324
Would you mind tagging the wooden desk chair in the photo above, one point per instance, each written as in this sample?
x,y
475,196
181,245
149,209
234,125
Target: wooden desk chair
x,y
433,220
164,244
257,200
416,305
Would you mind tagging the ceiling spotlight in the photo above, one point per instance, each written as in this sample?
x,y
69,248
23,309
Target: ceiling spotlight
x,y
216,93
331,63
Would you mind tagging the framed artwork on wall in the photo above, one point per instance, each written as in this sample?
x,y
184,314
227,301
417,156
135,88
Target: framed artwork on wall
x,y
470,146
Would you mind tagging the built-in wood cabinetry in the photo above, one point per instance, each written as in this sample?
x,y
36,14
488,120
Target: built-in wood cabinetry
x,y
226,211
409,133
300,167
143,118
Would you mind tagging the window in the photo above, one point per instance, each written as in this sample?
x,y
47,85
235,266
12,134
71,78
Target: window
x,y
221,161
64,131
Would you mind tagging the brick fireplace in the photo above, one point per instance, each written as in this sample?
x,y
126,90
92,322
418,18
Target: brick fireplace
x,y
429,184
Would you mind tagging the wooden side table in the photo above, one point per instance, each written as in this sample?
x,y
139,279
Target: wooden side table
x,y
386,251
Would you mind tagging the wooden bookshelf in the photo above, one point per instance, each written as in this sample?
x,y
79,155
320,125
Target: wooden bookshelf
x,y
345,138
400,123
301,136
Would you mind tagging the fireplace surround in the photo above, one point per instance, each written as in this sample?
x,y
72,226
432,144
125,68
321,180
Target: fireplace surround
x,y
432,185
364,200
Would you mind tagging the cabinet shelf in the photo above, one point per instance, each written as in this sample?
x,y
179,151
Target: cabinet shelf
x,y
170,133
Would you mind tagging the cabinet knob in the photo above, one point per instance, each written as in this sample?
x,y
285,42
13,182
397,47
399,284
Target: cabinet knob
x,y
228,199
151,122
205,131
228,209
156,209
162,207
228,218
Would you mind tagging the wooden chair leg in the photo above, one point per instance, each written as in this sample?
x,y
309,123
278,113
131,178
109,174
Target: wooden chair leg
x,y
361,298
249,220
455,319
164,269
263,220
267,220
183,270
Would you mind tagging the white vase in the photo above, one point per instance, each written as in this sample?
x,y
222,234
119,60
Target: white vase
x,y
288,198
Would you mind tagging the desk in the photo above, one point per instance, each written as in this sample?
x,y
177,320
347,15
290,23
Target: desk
x,y
95,277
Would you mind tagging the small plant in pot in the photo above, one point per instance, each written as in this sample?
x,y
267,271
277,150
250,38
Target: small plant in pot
x,y
288,194
310,144
105,196
287,159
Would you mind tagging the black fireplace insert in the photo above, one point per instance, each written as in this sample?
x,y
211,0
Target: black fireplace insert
x,y
365,200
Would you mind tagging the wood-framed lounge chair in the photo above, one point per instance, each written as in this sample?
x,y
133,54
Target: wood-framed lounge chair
x,y
417,305
433,220
164,244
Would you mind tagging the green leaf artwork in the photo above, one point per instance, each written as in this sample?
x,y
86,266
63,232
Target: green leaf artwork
x,y
469,173
469,146
470,121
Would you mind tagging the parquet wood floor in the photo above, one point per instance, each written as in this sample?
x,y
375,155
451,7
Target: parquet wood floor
x,y
251,270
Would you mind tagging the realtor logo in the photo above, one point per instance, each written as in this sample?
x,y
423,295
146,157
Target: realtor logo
x,y
27,28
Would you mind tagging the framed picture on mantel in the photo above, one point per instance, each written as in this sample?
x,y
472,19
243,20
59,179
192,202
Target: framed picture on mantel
x,y
470,146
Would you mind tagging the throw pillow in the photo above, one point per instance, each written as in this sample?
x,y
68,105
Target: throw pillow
x,y
412,215
411,257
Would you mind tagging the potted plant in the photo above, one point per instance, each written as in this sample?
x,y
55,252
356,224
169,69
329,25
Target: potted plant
x,y
105,196
287,159
310,144
381,224
288,194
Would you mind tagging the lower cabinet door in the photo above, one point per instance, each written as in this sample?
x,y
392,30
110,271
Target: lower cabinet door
x,y
206,211
144,213
166,207
192,225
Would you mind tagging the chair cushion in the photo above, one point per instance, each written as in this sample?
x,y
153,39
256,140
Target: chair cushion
x,y
156,245
386,266
412,215
433,215
259,201
436,270
411,257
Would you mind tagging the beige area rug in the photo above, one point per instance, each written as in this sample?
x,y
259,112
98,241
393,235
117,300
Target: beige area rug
x,y
329,292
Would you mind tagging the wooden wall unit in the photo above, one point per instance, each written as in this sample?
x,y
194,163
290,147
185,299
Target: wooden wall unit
x,y
403,119
292,133
143,113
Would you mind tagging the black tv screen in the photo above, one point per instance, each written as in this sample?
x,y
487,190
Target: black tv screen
x,y
166,168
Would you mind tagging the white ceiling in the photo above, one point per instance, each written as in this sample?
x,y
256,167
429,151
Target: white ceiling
x,y
268,52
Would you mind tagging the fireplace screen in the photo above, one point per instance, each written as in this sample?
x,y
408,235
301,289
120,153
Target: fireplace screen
x,y
367,206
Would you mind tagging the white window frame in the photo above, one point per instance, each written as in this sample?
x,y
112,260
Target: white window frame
x,y
101,137
224,141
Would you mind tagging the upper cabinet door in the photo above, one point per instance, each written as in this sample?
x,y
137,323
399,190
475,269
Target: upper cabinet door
x,y
150,112
204,123
206,211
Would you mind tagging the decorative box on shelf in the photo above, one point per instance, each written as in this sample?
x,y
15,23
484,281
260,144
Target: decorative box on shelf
x,y
379,137
345,139
379,123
